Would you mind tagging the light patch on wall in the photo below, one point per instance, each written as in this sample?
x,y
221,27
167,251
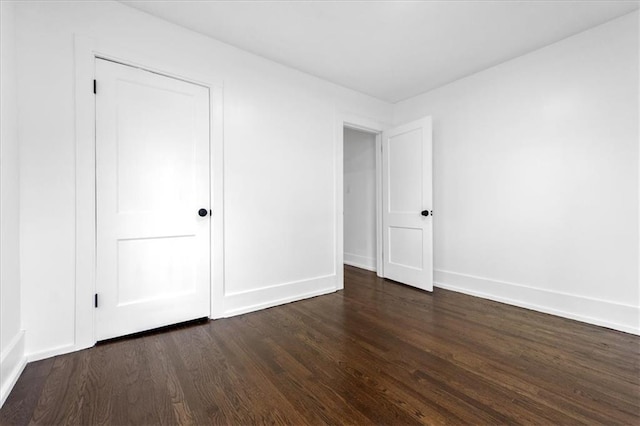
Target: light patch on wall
x,y
558,107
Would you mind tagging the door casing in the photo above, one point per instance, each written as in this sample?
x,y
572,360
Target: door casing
x,y
86,50
370,126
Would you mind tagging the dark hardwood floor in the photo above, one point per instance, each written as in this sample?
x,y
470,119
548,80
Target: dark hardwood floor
x,y
375,353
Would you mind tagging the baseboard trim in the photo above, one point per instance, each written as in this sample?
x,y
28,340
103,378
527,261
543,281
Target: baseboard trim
x,y
603,313
12,363
362,262
48,353
245,302
239,303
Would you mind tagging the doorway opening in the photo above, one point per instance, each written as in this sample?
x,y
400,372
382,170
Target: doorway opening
x,y
360,198
403,201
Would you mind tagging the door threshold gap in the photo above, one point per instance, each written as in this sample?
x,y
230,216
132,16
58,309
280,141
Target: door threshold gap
x,y
159,330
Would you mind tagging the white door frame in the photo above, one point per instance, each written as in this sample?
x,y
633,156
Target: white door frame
x,y
86,50
370,126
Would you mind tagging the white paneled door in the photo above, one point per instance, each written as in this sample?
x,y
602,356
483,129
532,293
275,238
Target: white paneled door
x,y
153,200
407,204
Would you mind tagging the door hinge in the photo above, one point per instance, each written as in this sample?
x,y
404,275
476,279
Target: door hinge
x,y
95,300
94,87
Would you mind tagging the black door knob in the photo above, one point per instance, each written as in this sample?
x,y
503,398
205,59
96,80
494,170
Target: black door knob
x,y
425,213
203,212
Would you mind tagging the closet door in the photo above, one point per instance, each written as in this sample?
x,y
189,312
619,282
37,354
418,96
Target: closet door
x,y
152,186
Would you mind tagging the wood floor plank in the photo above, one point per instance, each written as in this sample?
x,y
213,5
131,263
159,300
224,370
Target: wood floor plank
x,y
100,388
21,403
375,353
327,368
494,354
393,364
167,389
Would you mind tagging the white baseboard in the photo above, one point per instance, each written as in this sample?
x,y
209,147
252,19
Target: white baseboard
x,y
267,297
363,262
48,353
593,311
238,303
12,363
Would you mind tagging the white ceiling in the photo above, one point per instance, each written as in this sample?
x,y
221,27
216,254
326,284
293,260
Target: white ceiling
x,y
391,50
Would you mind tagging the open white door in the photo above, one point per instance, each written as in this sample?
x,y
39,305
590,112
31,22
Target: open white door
x,y
407,203
152,190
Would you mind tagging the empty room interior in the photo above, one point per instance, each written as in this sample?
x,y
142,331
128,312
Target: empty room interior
x,y
319,212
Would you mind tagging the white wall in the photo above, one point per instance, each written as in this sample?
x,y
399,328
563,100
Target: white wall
x,y
279,161
359,199
12,359
536,178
